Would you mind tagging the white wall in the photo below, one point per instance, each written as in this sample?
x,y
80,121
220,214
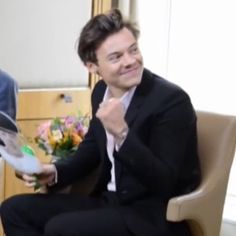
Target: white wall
x,y
37,42
198,52
153,20
202,52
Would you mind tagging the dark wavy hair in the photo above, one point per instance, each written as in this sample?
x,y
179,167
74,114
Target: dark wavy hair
x,y
96,31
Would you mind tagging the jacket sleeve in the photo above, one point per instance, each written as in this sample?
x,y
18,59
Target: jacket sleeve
x,y
8,95
87,157
85,160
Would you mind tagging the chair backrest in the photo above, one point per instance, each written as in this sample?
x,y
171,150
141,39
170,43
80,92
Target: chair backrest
x,y
203,207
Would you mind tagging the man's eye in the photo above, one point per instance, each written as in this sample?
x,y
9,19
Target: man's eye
x,y
114,58
134,50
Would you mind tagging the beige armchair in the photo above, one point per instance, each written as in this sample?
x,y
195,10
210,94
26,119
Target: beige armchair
x,y
203,208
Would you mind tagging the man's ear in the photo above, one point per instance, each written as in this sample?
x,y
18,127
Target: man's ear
x,y
92,67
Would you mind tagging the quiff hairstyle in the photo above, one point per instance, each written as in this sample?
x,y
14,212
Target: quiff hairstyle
x,y
98,29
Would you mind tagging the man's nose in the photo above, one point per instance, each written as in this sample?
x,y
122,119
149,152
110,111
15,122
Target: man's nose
x,y
128,59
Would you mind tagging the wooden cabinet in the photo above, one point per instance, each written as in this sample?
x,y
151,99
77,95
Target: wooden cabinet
x,y
1,187
36,107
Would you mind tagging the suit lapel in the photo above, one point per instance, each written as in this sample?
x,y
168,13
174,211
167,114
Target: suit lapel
x,y
99,90
133,109
138,99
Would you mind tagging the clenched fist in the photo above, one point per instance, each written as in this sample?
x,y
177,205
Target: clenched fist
x,y
111,113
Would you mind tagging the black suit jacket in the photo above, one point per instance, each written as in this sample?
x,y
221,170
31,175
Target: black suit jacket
x,y
158,159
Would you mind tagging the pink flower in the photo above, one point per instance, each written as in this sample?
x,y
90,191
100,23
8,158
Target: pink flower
x,y
43,129
70,121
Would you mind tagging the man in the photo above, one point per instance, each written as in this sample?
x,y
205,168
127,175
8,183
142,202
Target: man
x,y
8,94
142,136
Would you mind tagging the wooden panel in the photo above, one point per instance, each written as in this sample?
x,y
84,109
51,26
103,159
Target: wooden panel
x,y
52,103
1,231
99,6
13,185
1,180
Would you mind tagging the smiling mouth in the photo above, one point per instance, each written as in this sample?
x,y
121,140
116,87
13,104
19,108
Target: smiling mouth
x,y
130,71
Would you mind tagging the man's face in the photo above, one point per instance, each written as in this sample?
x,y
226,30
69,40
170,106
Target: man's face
x,y
120,62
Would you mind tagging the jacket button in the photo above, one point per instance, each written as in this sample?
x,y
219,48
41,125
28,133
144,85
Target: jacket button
x,y
124,191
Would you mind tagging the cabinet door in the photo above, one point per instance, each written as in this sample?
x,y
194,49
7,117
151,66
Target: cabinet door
x,y
36,107
1,180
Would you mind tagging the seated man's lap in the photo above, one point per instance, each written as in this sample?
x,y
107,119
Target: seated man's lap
x,y
102,222
71,212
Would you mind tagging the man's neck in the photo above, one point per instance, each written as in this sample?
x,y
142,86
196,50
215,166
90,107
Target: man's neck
x,y
116,93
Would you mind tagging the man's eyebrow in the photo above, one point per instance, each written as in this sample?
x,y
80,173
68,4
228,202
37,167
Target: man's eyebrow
x,y
134,44
112,54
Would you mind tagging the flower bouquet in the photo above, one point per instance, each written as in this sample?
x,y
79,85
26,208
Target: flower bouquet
x,y
60,137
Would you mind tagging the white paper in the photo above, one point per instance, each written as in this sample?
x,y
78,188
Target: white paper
x,y
25,163
12,154
10,147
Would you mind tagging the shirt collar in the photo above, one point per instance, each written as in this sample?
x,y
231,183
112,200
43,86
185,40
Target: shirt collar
x,y
125,99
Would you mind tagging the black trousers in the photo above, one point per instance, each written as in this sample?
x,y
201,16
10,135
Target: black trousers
x,y
62,215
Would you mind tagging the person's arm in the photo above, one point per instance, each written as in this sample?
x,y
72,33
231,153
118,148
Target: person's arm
x,y
68,170
8,95
46,178
85,160
87,157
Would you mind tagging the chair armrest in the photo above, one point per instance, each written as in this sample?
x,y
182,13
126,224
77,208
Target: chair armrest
x,y
182,207
198,205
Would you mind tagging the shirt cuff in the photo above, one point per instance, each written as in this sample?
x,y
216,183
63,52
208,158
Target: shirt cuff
x,y
119,141
55,179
